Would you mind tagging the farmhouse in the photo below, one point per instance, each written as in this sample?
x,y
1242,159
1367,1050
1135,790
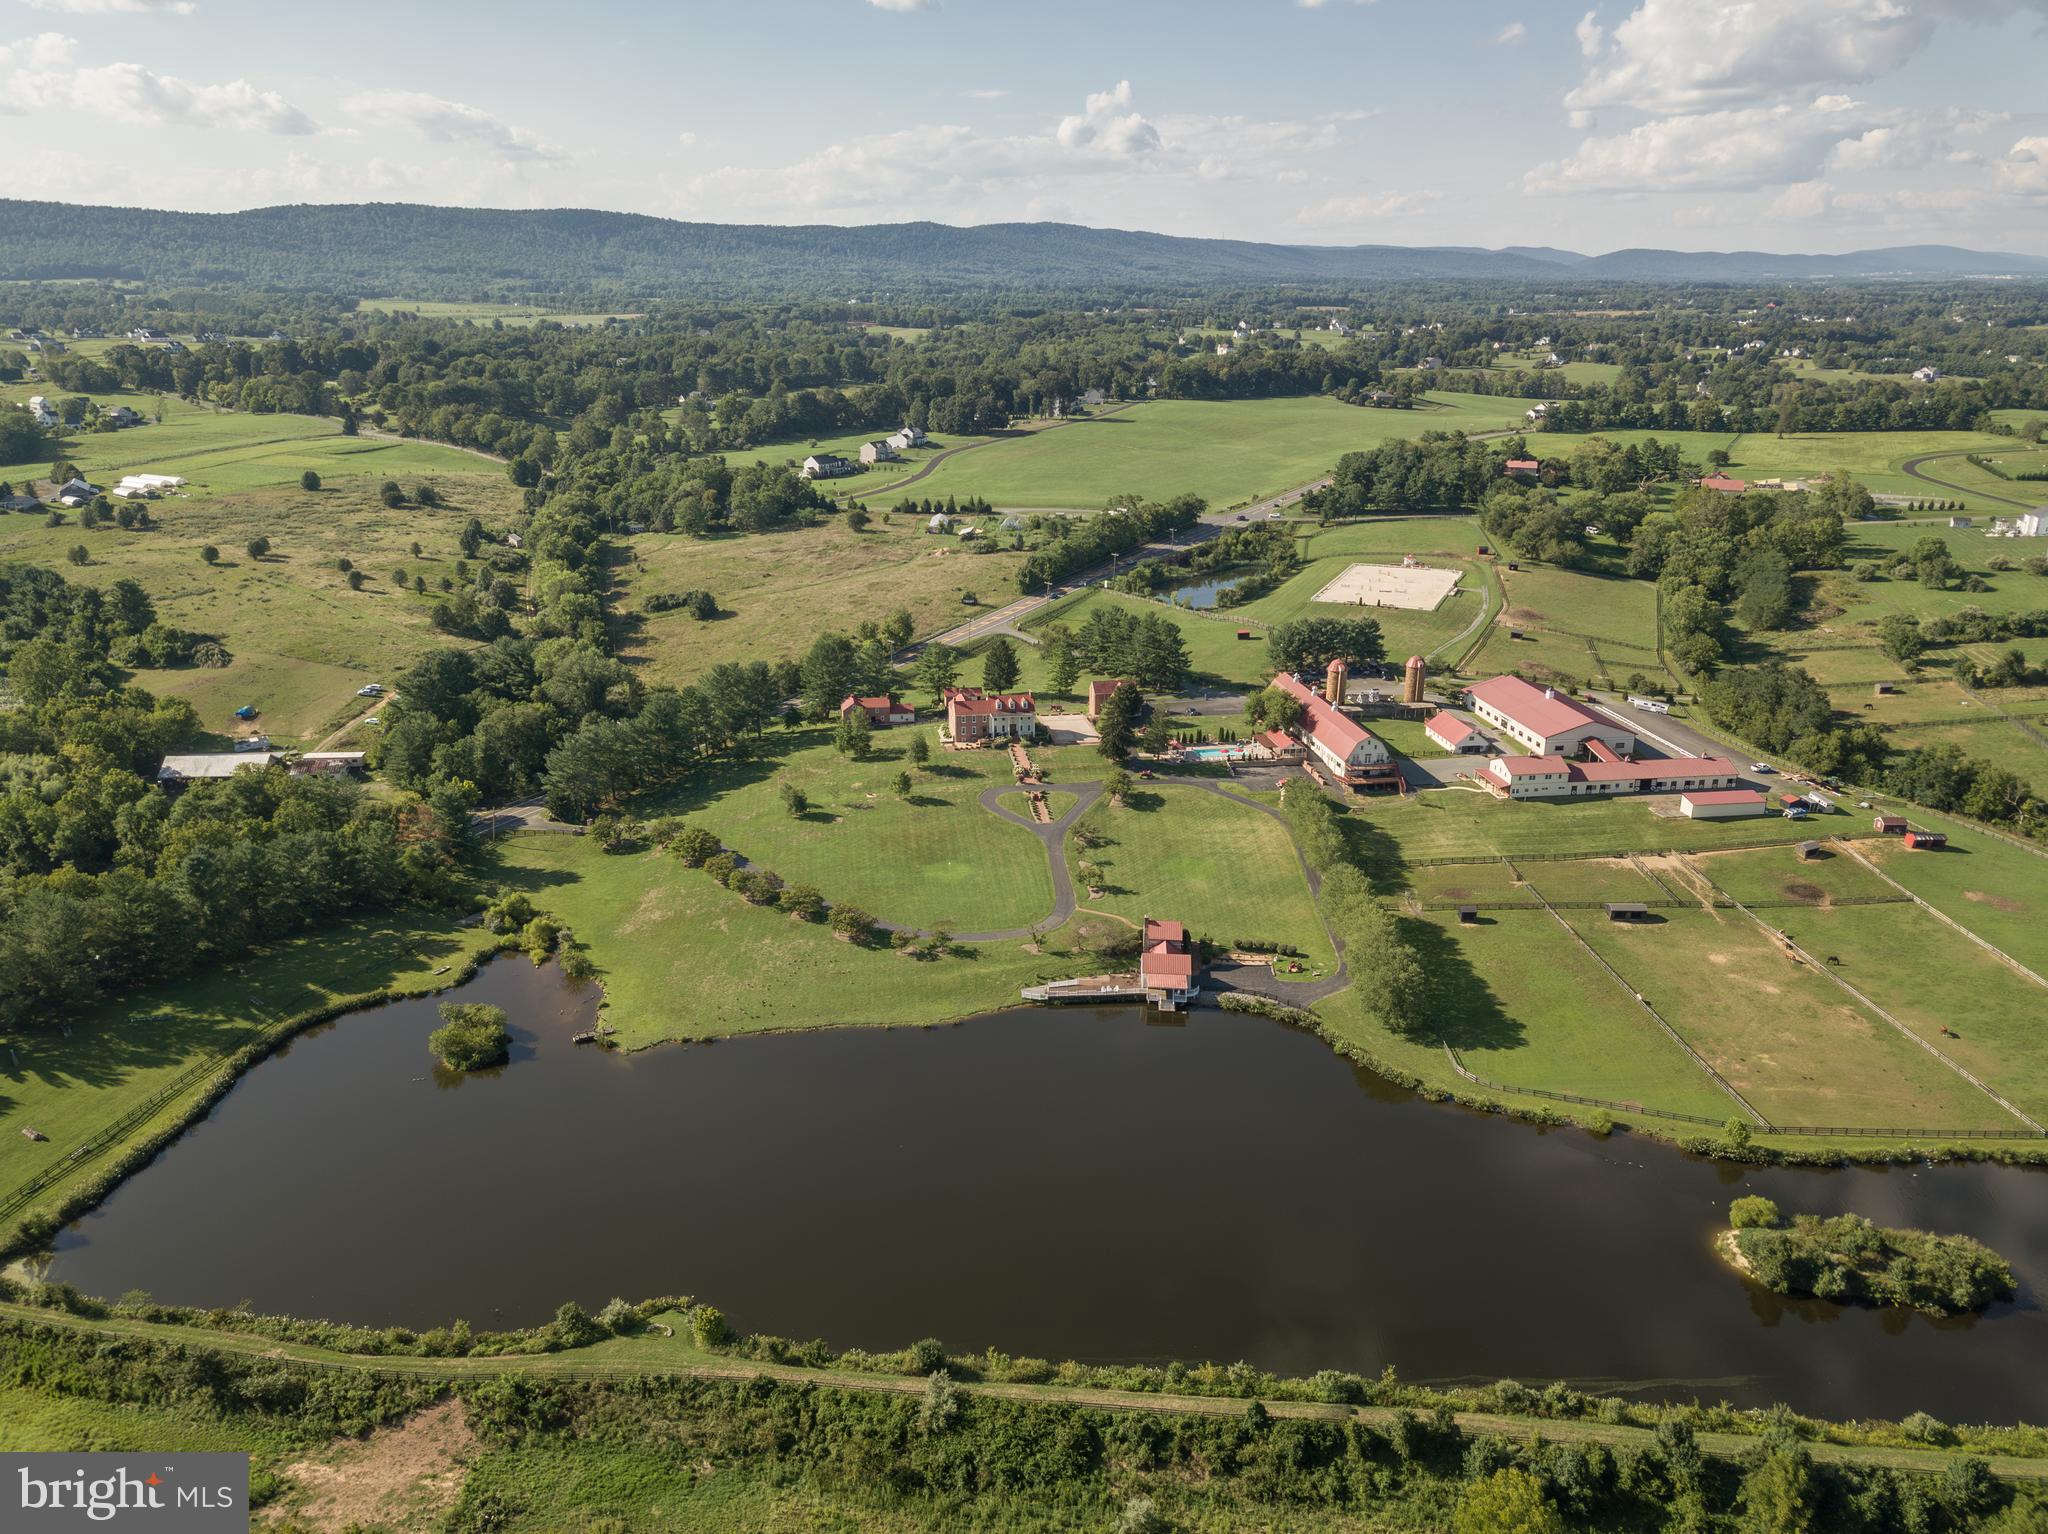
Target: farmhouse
x,y
1454,732
39,408
1723,483
882,711
1166,964
1927,375
19,503
1723,804
972,716
212,764
1538,718
909,437
1099,692
877,452
1522,468
77,492
1352,754
826,466
121,416
1552,777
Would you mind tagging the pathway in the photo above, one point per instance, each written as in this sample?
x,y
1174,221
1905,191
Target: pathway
x,y
1911,469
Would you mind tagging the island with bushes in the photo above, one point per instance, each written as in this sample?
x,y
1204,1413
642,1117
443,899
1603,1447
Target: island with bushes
x,y
1850,1260
472,1036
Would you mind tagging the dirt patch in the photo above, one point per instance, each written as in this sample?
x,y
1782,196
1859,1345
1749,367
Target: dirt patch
x,y
1997,902
1806,894
405,1477
1453,894
1521,617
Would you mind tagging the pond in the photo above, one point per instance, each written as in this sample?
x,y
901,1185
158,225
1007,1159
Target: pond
x,y
1203,595
1069,1183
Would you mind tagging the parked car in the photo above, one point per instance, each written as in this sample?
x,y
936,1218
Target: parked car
x,y
370,691
1763,767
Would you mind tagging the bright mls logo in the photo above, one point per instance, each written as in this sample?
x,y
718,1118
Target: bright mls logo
x,y
162,1493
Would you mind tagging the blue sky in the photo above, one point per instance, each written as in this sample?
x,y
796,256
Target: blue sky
x,y
1779,124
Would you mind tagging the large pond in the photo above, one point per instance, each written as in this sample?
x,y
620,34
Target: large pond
x,y
1204,594
1083,1184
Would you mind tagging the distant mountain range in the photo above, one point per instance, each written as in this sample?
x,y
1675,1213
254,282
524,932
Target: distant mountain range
x,y
376,249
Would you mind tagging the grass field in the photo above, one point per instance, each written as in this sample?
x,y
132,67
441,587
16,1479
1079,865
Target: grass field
x,y
1227,452
778,592
1216,653
935,857
302,642
485,312
681,958
1779,875
1993,888
1527,1007
1227,870
1574,625
119,1055
220,452
1790,1041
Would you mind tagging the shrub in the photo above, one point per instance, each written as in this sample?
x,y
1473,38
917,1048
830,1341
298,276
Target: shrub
x,y
576,964
927,1356
708,1326
574,1327
694,846
1507,1502
472,1036
852,923
803,901
1752,1212
210,554
390,494
539,936
356,578
722,866
309,480
794,799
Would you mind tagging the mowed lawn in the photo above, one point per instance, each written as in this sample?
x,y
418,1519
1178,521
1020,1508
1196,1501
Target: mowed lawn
x,y
935,857
1791,1041
1226,869
1525,1006
1780,876
1931,978
301,640
120,1054
1574,625
681,958
777,592
1229,452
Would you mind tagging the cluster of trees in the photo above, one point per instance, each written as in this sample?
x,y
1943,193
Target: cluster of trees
x,y
1785,711
1386,970
838,666
1310,644
1075,544
1439,471
1265,552
1146,648
1851,1260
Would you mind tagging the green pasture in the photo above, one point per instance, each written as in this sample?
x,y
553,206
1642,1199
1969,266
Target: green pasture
x,y
1997,890
1776,875
1218,656
486,312
302,641
1229,871
1788,1039
1591,879
1227,452
777,592
1574,625
1525,1006
934,858
681,958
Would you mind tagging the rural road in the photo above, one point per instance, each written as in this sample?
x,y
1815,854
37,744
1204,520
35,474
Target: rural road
x,y
1911,469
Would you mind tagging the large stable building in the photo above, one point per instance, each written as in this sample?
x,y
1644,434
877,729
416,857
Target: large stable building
x,y
1343,747
1544,721
1552,777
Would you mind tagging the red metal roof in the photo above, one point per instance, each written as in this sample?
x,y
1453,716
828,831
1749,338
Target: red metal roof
x,y
872,705
1448,728
1522,465
1158,931
1639,772
1337,733
1724,483
1536,709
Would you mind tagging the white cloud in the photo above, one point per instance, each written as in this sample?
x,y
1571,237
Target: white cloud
x,y
110,7
1344,212
1513,32
1101,127
1737,150
2024,170
901,5
1316,5
449,122
1589,33
986,94
1684,56
687,140
43,74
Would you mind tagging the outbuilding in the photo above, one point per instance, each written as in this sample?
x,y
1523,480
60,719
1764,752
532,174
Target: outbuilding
x,y
1722,804
1808,851
1628,911
1468,915
1889,825
1926,841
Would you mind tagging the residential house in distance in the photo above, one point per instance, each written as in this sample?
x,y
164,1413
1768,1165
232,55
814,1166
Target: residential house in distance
x,y
1545,722
826,466
882,710
20,502
146,333
878,451
1725,484
77,492
1522,468
973,716
1099,692
122,417
39,409
1342,746
908,438
1926,375
1166,964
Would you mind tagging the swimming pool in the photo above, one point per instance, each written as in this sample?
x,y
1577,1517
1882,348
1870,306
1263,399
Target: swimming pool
x,y
1215,753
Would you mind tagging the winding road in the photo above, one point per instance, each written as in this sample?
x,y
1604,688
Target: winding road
x,y
1911,469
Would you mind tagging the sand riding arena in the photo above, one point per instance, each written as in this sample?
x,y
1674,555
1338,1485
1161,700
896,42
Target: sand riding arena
x,y
1412,586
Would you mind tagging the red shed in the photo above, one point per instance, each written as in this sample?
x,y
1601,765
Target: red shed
x,y
1926,841
1889,825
